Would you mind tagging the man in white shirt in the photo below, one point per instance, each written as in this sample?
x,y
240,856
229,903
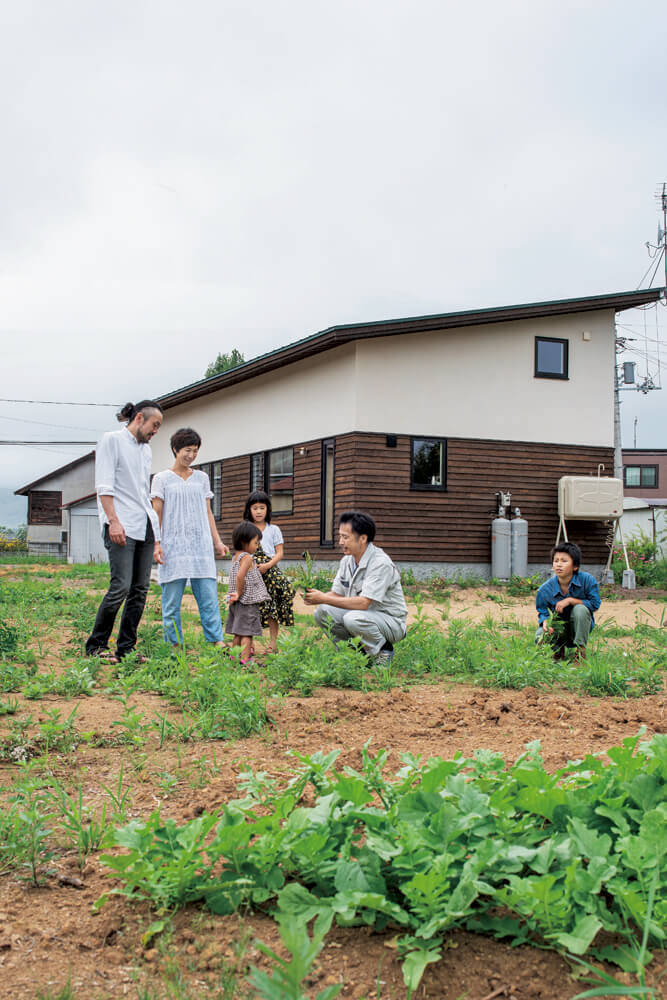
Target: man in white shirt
x,y
366,598
129,525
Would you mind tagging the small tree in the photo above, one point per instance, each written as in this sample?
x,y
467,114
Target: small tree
x,y
223,362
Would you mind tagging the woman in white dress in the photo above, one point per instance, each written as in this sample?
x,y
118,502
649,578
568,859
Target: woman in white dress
x,y
190,541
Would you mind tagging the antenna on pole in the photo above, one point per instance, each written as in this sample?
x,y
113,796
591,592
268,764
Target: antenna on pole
x,y
660,248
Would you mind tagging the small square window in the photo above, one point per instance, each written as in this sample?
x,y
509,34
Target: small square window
x,y
551,357
428,470
641,477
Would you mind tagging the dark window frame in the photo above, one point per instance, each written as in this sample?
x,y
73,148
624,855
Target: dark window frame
x,y
326,543
257,483
216,500
442,487
563,376
266,476
642,468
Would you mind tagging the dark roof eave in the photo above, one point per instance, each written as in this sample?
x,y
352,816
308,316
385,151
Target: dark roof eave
x,y
345,334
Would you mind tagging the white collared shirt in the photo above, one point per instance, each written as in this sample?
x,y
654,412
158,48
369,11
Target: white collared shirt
x,y
123,471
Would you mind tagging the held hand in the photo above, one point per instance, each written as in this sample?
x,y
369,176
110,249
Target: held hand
x,y
233,597
263,568
220,549
158,557
313,596
116,532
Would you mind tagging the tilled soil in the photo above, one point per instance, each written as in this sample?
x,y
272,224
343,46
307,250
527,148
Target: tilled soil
x,y
51,934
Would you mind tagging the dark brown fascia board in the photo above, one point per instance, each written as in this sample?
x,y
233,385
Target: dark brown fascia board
x,y
73,503
337,335
23,492
644,451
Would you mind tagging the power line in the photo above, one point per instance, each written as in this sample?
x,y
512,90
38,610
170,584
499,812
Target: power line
x,y
22,443
48,423
56,402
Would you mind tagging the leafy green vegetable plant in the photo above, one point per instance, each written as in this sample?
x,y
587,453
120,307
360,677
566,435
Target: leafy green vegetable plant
x,y
441,845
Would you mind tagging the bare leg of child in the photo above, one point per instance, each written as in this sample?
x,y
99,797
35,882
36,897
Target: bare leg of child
x,y
245,642
273,636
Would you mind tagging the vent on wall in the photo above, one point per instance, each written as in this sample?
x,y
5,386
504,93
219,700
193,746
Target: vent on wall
x,y
391,440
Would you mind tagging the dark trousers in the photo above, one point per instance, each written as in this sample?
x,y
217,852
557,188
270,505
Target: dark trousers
x,y
130,567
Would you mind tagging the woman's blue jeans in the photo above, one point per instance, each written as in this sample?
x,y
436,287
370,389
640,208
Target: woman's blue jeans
x,y
206,596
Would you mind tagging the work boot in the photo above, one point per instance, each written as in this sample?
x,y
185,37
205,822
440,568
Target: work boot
x,y
579,654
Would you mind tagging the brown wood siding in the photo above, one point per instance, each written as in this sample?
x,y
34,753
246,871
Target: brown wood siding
x,y
235,489
454,525
44,507
420,525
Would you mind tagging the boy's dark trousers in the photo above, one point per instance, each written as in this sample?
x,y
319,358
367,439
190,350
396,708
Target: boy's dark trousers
x,y
130,569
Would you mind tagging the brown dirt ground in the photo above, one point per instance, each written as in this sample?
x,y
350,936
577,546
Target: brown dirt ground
x,y
50,933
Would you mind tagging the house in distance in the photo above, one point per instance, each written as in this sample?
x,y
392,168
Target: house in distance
x,y
50,500
420,422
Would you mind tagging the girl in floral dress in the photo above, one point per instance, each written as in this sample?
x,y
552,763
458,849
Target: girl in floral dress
x,y
278,610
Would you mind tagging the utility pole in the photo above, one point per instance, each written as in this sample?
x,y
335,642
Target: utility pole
x,y
618,451
624,374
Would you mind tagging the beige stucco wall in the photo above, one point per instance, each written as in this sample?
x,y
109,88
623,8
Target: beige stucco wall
x,y
310,399
475,382
479,383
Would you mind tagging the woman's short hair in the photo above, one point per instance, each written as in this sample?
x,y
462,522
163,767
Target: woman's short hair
x,y
361,524
184,437
244,533
130,410
258,496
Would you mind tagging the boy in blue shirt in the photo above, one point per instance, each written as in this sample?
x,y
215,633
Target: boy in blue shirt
x,y
572,595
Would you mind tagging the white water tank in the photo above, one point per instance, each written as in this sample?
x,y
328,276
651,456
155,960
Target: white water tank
x,y
590,498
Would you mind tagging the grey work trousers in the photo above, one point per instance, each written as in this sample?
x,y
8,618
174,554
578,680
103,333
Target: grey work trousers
x,y
576,622
374,628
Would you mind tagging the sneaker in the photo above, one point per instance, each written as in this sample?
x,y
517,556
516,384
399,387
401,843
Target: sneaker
x,y
383,658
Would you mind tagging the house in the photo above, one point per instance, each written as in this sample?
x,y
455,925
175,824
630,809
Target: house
x,y
419,421
84,542
48,499
645,473
647,518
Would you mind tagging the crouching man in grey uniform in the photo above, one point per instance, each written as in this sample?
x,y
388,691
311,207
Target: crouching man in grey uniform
x,y
366,598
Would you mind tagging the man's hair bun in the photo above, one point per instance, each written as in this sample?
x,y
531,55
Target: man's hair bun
x,y
126,414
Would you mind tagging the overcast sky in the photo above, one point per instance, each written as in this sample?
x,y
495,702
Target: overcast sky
x,y
184,178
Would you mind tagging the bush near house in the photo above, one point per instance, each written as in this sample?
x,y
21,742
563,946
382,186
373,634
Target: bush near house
x,y
650,571
13,539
